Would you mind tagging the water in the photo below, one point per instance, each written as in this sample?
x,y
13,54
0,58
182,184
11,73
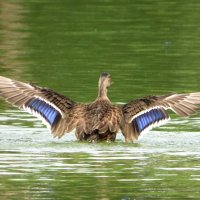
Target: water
x,y
149,47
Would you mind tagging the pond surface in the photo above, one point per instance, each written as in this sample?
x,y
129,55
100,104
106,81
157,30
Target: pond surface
x,y
148,47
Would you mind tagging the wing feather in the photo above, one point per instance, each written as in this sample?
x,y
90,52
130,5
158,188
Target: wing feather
x,y
51,107
141,113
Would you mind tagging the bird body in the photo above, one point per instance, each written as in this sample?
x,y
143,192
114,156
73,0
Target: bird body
x,y
100,120
97,121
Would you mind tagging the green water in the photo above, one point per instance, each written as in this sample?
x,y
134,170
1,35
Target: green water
x,y
148,47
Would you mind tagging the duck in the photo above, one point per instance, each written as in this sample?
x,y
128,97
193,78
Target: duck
x,y
100,120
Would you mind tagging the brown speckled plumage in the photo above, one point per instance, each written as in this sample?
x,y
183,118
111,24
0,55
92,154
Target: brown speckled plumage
x,y
100,120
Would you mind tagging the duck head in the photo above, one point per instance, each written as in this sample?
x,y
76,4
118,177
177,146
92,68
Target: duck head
x,y
105,80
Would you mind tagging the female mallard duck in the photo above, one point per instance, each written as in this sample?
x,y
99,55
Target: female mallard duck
x,y
99,120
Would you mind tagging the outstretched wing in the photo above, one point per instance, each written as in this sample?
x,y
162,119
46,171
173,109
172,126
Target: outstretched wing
x,y
148,112
52,108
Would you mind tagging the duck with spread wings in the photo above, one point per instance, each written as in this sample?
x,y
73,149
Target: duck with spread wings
x,y
100,120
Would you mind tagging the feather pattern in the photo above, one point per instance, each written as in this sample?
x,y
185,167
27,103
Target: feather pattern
x,y
49,113
49,106
100,120
181,104
152,118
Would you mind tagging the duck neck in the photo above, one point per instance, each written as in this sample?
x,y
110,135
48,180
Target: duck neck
x,y
102,94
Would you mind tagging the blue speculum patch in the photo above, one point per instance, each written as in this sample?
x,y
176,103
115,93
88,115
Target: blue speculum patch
x,y
48,112
143,121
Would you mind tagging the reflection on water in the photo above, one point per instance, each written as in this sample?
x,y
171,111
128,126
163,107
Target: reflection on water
x,y
100,171
149,48
162,164
12,34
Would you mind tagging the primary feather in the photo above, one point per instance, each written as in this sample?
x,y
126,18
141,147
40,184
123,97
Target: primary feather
x,y
100,120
